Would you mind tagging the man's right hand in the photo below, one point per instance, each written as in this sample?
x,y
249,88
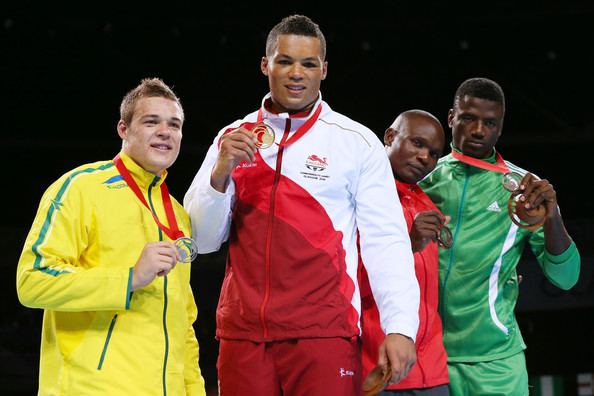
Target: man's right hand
x,y
235,147
156,259
425,228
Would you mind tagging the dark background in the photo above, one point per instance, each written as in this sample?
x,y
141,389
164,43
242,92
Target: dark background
x,y
64,71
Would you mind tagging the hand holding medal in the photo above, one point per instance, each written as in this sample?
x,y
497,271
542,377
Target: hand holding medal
x,y
444,237
528,218
376,380
186,246
430,225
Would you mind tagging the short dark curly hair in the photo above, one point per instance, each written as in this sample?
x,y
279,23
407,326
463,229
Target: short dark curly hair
x,y
480,87
299,25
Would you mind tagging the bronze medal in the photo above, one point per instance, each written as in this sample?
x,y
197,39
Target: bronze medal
x,y
445,239
376,381
530,219
511,181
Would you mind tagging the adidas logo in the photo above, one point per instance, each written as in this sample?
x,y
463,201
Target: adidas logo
x,y
494,207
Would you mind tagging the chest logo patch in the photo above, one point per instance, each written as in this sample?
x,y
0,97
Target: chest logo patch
x,y
494,207
245,164
316,163
115,182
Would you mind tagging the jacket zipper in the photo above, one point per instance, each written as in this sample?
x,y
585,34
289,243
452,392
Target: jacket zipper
x,y
423,334
277,174
426,324
442,302
106,344
165,333
150,199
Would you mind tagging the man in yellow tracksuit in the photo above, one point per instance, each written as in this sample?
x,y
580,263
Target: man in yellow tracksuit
x,y
101,261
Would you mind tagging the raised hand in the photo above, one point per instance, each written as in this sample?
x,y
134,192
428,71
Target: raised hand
x,y
235,147
537,191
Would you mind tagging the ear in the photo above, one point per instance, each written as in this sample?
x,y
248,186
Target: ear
x,y
389,136
122,129
264,66
324,70
450,117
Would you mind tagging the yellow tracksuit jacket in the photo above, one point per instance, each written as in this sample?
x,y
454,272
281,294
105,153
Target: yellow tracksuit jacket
x,y
98,337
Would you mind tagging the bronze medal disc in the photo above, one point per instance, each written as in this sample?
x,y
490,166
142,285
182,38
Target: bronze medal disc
x,y
511,181
376,381
445,238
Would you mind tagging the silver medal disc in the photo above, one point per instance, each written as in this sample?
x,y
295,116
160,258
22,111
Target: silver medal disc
x,y
187,249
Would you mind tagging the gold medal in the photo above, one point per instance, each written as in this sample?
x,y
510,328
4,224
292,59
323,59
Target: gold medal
x,y
264,135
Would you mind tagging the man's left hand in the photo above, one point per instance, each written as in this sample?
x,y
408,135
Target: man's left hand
x,y
398,352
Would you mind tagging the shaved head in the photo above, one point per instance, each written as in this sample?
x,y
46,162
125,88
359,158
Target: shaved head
x,y
407,116
414,143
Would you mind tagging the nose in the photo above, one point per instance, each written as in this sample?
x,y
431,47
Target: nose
x,y
423,155
296,72
479,130
163,129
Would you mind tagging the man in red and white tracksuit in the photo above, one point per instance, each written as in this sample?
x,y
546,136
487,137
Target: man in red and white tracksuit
x,y
288,313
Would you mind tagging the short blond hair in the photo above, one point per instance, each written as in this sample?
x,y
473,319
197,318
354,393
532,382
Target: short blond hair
x,y
148,88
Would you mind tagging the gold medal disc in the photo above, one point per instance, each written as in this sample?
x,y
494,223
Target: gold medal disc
x,y
264,135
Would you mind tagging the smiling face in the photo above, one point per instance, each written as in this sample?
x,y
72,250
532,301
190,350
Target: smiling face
x,y
414,143
153,137
476,125
295,70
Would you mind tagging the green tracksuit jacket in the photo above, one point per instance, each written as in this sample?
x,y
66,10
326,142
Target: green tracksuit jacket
x,y
477,275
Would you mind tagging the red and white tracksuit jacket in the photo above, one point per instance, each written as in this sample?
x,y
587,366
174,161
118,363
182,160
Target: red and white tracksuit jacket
x,y
431,367
291,218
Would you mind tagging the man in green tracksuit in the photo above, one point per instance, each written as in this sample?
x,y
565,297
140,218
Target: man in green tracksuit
x,y
478,280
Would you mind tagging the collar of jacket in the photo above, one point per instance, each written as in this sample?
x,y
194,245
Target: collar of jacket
x,y
406,187
297,119
142,177
490,159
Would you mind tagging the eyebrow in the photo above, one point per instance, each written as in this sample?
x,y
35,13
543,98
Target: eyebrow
x,y
309,58
149,116
158,116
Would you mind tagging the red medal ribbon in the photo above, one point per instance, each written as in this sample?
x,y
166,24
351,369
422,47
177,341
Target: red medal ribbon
x,y
499,166
174,232
302,129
